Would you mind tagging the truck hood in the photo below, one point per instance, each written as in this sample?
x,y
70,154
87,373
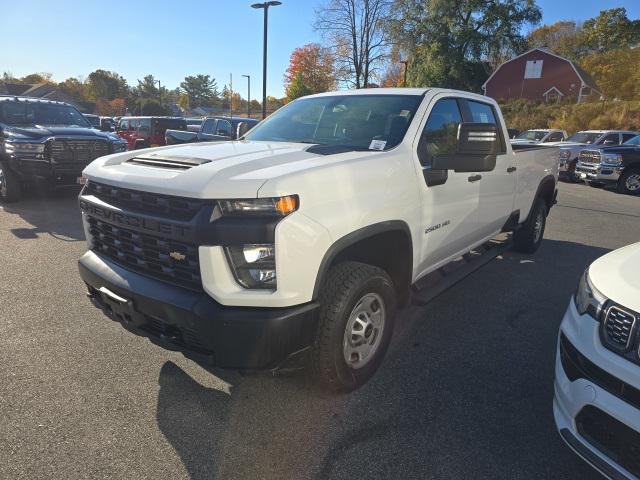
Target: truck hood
x,y
616,275
224,169
616,148
37,132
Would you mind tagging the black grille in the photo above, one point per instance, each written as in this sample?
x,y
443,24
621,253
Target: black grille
x,y
78,151
618,326
589,156
612,437
172,261
576,365
166,206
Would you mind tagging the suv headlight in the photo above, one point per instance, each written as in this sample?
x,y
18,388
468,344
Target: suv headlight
x,y
587,298
23,147
565,154
612,158
254,266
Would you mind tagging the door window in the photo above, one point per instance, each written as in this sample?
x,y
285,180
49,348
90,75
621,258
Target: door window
x,y
627,136
144,126
555,137
207,126
223,128
133,124
124,125
440,134
610,139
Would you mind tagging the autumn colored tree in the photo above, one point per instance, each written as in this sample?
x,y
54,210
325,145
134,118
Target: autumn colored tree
x,y
310,71
616,72
610,30
561,38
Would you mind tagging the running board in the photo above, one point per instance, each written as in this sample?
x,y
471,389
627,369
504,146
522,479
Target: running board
x,y
435,283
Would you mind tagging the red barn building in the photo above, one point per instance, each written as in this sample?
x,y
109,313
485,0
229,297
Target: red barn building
x,y
540,75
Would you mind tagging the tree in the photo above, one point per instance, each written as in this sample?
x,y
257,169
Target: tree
x,y
42,77
202,90
393,75
453,43
151,106
75,88
611,29
105,85
355,34
561,38
147,87
297,88
616,72
311,67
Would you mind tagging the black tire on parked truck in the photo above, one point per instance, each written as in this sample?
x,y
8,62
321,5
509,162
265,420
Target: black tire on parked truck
x,y
629,181
528,237
10,185
357,313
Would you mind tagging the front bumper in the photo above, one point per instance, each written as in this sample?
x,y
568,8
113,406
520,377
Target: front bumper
x,y
598,172
571,397
192,322
43,170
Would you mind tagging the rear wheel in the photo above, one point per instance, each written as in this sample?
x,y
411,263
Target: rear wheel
x,y
10,186
528,237
357,310
629,182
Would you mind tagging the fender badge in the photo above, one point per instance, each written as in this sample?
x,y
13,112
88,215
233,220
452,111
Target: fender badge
x,y
177,256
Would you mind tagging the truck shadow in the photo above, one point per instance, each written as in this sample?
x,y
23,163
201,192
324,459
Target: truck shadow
x,y
465,392
55,213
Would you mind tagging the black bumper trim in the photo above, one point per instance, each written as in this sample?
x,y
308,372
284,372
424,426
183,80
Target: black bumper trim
x,y
591,458
175,318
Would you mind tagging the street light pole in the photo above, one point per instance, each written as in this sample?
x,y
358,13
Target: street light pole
x,y
159,91
404,80
265,6
248,95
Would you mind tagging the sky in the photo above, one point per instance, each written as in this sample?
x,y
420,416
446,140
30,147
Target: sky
x,y
173,39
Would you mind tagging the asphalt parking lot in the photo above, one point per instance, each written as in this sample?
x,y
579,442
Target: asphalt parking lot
x,y
465,391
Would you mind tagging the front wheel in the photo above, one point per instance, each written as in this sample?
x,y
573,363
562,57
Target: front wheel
x,y
357,310
629,181
528,237
10,186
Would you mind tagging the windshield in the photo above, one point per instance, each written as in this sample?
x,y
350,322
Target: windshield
x,y
28,114
93,120
584,137
536,135
633,141
375,122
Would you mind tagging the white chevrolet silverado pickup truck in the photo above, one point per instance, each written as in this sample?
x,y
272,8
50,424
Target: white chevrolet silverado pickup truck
x,y
303,238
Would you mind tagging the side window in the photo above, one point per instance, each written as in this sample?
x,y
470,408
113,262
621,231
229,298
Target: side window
x,y
223,128
555,137
484,113
440,134
124,125
145,126
133,125
627,136
207,126
610,139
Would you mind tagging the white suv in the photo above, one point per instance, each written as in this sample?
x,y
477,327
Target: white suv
x,y
597,386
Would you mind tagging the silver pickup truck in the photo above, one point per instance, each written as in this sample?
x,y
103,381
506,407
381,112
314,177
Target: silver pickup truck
x,y
213,129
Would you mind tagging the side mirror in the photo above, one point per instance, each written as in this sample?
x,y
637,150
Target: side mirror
x,y
243,127
477,147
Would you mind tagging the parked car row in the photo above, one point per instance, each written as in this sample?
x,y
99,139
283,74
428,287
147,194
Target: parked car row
x,y
211,129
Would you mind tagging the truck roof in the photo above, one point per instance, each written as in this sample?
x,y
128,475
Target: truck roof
x,y
607,131
18,98
399,91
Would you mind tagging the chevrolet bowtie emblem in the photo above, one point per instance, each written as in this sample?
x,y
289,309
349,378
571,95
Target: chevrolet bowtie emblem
x,y
177,256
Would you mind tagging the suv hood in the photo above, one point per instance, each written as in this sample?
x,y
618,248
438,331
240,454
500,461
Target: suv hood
x,y
616,276
223,169
37,132
615,148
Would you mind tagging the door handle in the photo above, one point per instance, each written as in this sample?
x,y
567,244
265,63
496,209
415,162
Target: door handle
x,y
474,178
511,169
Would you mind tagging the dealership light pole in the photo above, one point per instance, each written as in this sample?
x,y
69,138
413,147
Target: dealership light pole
x,y
159,91
265,6
404,75
248,95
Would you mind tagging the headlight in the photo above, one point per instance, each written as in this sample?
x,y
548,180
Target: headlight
x,y
280,206
565,154
119,147
612,158
254,266
21,147
588,299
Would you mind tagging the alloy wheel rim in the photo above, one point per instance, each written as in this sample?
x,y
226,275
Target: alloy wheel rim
x,y
363,334
633,182
537,227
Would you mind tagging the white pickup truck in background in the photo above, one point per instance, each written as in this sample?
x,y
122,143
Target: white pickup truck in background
x,y
303,238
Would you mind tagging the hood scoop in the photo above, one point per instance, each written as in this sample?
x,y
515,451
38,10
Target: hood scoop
x,y
168,162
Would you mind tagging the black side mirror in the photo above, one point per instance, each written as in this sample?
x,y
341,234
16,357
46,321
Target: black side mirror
x,y
477,147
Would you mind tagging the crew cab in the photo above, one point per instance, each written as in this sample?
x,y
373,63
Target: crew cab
x,y
46,142
146,132
541,135
299,242
619,165
570,149
597,375
212,129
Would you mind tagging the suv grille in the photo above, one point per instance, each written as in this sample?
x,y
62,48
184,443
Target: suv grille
x,y
166,206
589,156
78,151
612,437
172,261
618,325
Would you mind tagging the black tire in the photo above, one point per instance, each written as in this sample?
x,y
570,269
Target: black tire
x,y
628,180
10,185
350,285
571,172
529,236
595,184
